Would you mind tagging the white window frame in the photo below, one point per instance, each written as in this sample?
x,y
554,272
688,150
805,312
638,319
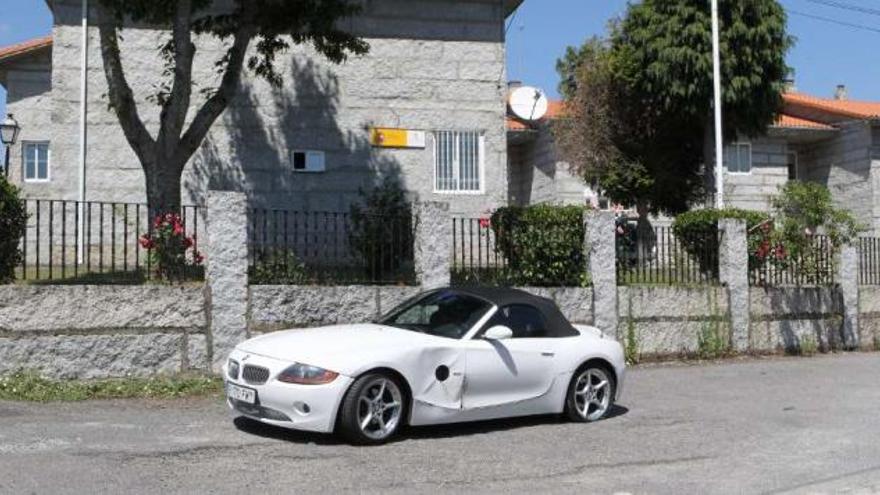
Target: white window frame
x,y
797,165
456,168
37,180
308,170
751,162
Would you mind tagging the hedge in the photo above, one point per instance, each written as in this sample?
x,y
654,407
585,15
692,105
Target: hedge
x,y
697,231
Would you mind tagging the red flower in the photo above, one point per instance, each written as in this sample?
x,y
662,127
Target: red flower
x,y
485,223
198,258
157,222
187,242
146,242
178,228
780,252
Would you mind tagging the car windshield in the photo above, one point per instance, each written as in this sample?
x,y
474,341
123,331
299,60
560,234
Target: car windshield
x,y
443,313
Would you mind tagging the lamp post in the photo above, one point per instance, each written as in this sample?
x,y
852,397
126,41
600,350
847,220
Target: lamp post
x,y
8,135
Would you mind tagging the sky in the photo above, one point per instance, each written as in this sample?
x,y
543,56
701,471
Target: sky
x,y
825,55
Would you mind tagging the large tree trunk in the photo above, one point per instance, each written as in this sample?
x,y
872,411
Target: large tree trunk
x,y
163,187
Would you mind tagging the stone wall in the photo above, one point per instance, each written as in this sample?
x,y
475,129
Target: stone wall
x,y
100,331
869,317
670,320
432,66
538,176
795,318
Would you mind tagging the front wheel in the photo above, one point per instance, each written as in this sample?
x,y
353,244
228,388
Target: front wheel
x,y
590,394
372,410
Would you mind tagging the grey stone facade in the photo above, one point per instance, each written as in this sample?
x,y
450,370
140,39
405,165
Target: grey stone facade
x,y
733,262
432,66
538,175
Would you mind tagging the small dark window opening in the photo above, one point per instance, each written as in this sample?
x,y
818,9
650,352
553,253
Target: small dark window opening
x,y
299,160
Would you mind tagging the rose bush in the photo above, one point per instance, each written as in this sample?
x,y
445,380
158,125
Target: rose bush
x,y
171,251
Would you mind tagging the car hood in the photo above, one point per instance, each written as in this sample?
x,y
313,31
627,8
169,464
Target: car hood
x,y
341,348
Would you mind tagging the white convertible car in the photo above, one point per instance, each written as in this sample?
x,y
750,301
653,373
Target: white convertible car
x,y
444,356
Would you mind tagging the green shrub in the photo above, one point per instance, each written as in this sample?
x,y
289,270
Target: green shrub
x,y
13,221
169,246
697,231
542,244
382,231
282,267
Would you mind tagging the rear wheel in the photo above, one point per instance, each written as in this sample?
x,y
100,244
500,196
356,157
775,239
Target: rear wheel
x,y
590,394
372,410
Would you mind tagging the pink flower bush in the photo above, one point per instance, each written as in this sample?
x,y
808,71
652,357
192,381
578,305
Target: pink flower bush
x,y
171,251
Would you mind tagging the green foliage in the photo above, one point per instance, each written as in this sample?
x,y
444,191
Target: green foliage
x,y
279,267
13,221
803,209
30,386
631,346
382,231
807,345
638,104
697,231
664,53
542,244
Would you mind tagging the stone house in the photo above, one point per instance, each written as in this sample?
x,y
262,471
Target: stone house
x,y
436,69
834,141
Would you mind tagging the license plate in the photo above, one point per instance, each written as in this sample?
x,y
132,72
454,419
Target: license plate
x,y
242,394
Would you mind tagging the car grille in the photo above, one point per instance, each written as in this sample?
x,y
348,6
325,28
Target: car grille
x,y
233,369
255,375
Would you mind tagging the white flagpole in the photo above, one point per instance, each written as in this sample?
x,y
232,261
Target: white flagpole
x,y
719,135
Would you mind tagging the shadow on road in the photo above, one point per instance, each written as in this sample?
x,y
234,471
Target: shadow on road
x,y
253,427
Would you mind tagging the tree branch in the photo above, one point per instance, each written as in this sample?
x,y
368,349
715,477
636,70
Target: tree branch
x,y
120,94
174,111
217,103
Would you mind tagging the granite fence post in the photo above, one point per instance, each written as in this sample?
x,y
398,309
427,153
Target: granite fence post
x,y
599,248
227,272
848,279
433,244
733,271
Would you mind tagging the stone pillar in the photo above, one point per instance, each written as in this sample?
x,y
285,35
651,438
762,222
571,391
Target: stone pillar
x,y
433,244
848,279
599,248
733,271
227,277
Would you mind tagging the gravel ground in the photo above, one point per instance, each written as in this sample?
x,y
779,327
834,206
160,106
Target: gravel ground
x,y
781,425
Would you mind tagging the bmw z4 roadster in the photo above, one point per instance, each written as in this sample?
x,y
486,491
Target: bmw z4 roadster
x,y
444,356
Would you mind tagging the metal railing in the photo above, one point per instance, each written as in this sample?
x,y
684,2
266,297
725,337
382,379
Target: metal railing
x,y
815,265
92,241
655,256
320,247
869,260
524,255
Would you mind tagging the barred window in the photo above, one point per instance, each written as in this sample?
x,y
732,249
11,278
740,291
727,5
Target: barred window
x,y
458,161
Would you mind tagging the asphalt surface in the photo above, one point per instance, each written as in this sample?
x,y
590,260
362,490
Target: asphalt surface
x,y
783,425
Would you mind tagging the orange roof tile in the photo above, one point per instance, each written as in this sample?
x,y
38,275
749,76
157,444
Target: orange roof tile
x,y
792,122
844,108
24,48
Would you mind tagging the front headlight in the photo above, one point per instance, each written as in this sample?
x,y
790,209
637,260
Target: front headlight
x,y
232,369
304,374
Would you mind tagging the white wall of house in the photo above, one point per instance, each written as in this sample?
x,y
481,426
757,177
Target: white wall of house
x,y
433,66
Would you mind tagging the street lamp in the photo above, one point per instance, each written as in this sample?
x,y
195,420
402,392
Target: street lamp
x,y
8,135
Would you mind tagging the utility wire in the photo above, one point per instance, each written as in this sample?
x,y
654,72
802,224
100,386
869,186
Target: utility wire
x,y
834,21
846,6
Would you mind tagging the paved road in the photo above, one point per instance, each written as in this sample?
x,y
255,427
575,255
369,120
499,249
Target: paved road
x,y
758,426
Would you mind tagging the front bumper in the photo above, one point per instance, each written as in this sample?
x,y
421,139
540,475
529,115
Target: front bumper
x,y
300,407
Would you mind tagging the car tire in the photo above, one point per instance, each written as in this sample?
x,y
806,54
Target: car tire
x,y
373,409
590,394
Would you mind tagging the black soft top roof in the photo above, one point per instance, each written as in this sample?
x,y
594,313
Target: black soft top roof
x,y
557,324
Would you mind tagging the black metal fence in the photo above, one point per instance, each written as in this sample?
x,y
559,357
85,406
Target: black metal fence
x,y
655,256
518,254
869,260
92,242
814,265
318,247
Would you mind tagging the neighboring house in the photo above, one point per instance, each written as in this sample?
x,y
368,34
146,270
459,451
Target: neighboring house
x,y
833,141
437,67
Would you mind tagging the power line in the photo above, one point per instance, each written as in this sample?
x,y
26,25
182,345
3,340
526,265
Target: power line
x,y
835,21
846,6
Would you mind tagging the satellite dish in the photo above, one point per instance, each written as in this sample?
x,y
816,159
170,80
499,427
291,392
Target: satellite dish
x,y
528,103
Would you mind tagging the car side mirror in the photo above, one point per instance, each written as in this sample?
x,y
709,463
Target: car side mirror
x,y
498,332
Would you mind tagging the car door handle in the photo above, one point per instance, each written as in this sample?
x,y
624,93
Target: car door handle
x,y
548,354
